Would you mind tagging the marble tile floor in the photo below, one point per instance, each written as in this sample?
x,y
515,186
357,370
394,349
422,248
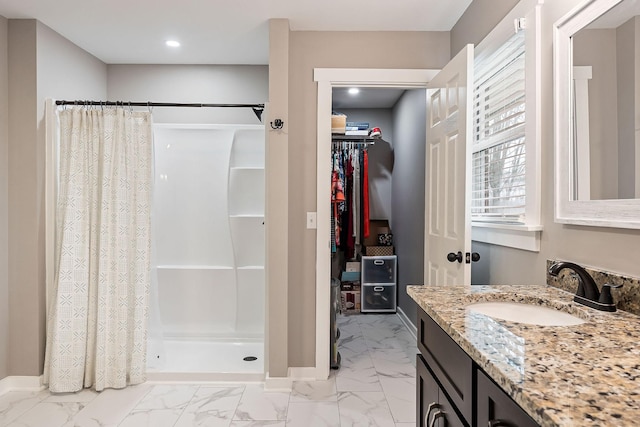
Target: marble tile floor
x,y
375,386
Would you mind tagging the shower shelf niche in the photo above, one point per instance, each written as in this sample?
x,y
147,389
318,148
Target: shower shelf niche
x,y
246,218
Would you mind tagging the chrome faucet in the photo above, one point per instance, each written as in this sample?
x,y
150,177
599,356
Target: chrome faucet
x,y
587,292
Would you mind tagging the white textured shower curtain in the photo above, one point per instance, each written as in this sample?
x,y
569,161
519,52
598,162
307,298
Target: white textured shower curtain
x,y
97,323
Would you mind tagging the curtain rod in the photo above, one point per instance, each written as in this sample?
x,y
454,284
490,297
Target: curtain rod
x,y
154,104
257,108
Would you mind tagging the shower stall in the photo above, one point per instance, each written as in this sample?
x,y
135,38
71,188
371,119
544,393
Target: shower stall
x,y
207,308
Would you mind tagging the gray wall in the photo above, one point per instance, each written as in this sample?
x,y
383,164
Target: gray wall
x,y
220,84
478,21
308,50
4,201
380,159
610,249
42,64
409,119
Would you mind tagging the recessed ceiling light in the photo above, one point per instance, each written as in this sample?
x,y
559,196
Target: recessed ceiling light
x,y
354,91
173,43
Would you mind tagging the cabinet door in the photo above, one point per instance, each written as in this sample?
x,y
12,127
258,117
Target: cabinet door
x,y
450,364
447,417
433,403
427,393
496,408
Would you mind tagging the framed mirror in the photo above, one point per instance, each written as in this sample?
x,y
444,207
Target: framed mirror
x,y
597,114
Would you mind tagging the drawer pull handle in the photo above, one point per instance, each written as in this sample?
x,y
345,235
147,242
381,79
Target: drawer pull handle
x,y
436,415
431,407
378,288
498,423
378,262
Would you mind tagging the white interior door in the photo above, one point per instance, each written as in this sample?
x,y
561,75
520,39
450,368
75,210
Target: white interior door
x,y
448,164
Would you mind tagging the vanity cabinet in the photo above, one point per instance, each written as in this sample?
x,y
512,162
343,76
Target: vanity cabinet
x,y
496,409
434,407
449,363
449,381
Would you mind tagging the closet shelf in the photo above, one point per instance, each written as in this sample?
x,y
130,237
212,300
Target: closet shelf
x,y
360,139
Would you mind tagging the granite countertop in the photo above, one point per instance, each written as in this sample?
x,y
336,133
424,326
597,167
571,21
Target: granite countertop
x,y
581,375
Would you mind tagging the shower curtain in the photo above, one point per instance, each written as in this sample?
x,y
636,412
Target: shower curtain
x,y
97,322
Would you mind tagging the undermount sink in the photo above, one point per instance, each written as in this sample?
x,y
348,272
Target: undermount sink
x,y
525,313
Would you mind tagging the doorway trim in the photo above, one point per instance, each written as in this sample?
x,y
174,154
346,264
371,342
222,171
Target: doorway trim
x,y
327,79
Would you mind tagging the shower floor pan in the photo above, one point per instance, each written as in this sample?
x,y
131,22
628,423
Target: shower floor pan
x,y
207,361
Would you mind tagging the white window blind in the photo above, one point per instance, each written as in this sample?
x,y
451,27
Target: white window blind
x,y
498,159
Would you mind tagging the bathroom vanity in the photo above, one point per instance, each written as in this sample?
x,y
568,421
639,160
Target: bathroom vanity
x,y
477,370
446,388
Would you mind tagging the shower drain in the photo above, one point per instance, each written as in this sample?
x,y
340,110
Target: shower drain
x,y
249,358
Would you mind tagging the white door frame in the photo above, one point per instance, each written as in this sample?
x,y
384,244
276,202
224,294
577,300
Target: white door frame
x,y
327,79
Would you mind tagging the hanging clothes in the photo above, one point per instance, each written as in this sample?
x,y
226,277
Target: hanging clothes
x,y
365,194
349,172
337,198
349,198
356,199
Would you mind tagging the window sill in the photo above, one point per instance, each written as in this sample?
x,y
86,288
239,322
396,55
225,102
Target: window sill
x,y
525,237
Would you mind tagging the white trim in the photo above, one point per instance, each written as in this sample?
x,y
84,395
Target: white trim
x,y
413,330
507,226
601,213
277,383
513,236
531,11
21,383
328,78
302,373
374,77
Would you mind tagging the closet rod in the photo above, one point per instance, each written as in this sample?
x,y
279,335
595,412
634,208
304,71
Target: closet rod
x,y
257,108
353,142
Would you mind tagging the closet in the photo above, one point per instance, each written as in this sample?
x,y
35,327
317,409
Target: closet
x,y
404,137
362,168
395,178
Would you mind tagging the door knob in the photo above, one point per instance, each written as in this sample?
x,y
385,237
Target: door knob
x,y
451,257
475,256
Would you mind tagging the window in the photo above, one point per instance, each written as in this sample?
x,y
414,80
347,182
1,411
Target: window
x,y
505,193
499,163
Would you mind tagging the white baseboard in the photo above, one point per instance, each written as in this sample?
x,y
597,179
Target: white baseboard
x,y
21,383
293,374
303,374
277,383
413,330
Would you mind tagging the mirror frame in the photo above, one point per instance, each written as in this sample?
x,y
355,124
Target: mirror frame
x,y
620,213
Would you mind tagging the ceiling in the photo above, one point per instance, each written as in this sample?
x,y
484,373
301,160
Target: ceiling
x,y
367,98
218,31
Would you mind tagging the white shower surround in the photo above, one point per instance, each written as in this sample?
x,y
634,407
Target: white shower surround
x,y
209,248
